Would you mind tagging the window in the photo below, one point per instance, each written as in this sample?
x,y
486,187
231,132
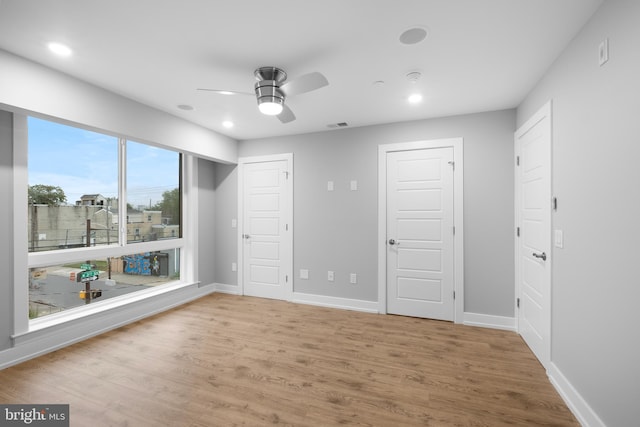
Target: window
x,y
73,187
55,288
153,193
104,217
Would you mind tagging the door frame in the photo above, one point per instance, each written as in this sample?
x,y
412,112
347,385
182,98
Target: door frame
x,y
544,113
287,253
458,240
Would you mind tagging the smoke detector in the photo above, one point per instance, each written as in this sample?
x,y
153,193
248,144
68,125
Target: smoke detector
x,y
413,35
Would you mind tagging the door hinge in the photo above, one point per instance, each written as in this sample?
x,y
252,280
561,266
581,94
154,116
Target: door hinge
x,y
286,278
453,164
454,230
555,204
518,302
518,231
286,174
517,160
286,227
454,294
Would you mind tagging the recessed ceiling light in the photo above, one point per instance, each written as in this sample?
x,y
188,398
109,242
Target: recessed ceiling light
x,y
185,107
413,76
59,49
413,35
414,98
228,124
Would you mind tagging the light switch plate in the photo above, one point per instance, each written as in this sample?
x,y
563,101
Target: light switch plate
x,y
304,273
330,186
558,239
354,185
353,278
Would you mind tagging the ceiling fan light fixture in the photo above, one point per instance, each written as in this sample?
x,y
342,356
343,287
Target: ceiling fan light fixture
x,y
270,97
270,106
271,90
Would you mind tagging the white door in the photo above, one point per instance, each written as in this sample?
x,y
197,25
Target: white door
x,y
420,235
266,242
533,245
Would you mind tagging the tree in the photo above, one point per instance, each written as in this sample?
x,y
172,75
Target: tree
x,y
51,195
170,205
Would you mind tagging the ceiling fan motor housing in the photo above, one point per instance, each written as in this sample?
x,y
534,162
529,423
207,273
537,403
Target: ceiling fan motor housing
x,y
270,73
269,91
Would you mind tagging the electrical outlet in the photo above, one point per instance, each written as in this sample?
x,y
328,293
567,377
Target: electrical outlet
x,y
329,185
234,223
354,185
234,266
353,278
304,273
330,276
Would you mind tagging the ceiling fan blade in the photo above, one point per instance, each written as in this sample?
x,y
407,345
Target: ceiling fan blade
x,y
304,83
225,92
287,115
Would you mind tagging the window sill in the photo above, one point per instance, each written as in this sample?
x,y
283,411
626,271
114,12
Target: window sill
x,y
39,327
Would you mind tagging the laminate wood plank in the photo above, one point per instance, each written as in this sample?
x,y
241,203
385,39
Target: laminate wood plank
x,y
227,360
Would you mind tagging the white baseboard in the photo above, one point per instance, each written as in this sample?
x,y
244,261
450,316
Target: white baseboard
x,y
489,321
33,344
227,289
578,406
336,302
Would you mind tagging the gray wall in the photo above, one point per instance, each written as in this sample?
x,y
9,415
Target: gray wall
x,y
206,221
226,186
338,230
596,148
6,229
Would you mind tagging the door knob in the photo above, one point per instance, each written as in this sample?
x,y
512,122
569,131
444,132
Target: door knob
x,y
245,236
542,256
393,242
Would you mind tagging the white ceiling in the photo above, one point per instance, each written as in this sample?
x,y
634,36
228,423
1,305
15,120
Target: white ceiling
x,y
480,55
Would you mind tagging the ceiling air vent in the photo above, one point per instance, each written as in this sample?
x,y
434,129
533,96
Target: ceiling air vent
x,y
338,125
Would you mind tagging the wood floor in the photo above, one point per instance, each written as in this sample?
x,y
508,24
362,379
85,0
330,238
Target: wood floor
x,y
227,360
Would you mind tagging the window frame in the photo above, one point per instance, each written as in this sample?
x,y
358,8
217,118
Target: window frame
x,y
24,260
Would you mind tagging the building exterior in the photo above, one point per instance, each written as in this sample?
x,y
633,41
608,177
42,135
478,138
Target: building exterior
x,y
92,200
61,227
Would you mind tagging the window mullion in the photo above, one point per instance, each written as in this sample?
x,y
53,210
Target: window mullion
x,y
20,235
122,192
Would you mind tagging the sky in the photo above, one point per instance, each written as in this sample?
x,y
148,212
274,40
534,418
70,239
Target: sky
x,y
85,162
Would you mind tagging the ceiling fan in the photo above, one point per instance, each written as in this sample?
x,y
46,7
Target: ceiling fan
x,y
271,90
